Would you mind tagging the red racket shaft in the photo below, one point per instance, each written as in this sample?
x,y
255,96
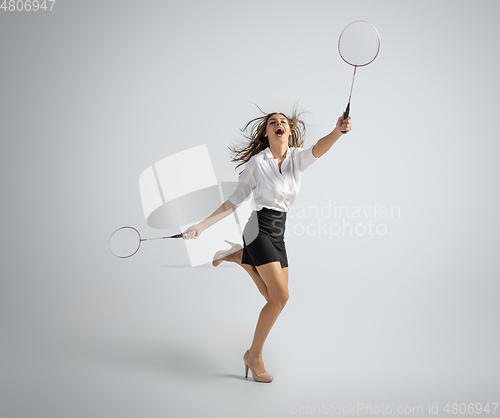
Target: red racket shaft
x,y
173,236
348,108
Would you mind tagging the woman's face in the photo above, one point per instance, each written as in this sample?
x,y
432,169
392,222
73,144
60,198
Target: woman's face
x,y
278,128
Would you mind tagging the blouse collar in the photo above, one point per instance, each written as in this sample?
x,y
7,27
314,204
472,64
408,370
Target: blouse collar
x,y
269,154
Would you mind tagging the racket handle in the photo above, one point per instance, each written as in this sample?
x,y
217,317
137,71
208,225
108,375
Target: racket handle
x,y
346,113
181,235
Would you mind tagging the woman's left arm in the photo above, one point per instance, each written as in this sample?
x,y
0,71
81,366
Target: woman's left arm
x,y
325,143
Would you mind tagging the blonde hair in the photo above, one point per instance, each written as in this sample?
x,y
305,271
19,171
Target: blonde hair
x,y
256,140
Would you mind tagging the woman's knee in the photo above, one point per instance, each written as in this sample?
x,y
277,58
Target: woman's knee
x,y
279,298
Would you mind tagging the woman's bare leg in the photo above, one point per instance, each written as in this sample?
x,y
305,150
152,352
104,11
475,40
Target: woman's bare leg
x,y
251,270
276,279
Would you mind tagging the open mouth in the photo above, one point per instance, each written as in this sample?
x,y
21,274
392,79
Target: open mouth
x,y
279,131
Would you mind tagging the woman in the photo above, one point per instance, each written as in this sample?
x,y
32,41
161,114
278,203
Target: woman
x,y
274,160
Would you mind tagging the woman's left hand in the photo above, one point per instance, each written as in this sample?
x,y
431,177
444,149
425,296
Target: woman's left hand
x,y
344,125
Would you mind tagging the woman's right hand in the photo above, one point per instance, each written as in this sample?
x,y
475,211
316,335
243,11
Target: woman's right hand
x,y
192,232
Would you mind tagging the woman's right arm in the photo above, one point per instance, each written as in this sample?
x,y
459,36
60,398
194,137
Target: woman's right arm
x,y
224,210
246,184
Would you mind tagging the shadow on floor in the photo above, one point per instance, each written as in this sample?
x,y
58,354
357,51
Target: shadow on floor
x,y
203,266
170,359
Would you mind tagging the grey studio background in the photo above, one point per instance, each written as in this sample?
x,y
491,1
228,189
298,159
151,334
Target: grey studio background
x,y
92,93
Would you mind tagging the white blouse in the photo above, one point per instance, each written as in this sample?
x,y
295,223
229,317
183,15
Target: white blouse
x,y
272,189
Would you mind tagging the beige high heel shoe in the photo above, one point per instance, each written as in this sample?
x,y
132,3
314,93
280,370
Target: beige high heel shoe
x,y
219,255
262,377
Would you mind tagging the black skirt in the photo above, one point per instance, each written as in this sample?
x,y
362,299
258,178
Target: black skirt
x,y
263,238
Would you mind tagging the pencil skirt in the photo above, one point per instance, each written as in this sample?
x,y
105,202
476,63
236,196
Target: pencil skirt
x,y
263,238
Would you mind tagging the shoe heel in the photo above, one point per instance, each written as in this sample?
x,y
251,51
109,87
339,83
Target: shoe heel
x,y
263,377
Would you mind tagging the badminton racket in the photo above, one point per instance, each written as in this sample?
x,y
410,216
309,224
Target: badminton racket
x,y
359,44
126,241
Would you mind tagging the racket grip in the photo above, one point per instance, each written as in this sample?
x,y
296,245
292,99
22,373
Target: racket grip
x,y
181,235
346,114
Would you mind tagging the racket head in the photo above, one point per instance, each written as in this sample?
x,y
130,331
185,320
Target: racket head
x,y
359,43
124,242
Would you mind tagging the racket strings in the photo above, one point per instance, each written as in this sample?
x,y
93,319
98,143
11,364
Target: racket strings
x,y
125,242
359,43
